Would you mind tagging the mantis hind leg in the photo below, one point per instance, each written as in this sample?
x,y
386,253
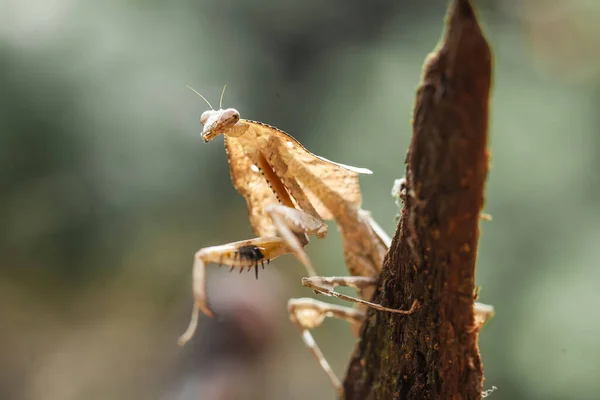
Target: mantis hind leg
x,y
308,314
483,313
326,286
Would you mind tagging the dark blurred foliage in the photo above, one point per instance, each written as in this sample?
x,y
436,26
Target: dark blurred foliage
x,y
106,190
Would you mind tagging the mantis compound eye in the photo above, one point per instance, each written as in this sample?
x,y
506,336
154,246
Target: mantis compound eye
x,y
205,116
230,116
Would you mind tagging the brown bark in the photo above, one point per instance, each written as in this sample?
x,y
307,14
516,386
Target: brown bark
x,y
433,353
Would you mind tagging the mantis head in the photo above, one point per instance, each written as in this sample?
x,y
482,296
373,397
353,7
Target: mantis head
x,y
218,122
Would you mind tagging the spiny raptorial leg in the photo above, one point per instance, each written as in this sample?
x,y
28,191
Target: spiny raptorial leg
x,y
290,222
243,254
293,224
308,314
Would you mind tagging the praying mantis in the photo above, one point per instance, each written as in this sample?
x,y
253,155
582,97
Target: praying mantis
x,y
290,192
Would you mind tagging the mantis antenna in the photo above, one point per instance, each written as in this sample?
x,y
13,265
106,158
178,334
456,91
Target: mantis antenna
x,y
222,93
203,98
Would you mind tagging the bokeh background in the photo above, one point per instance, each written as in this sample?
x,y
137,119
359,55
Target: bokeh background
x,y
106,190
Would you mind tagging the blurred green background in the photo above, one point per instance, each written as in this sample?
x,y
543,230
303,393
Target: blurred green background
x,y
106,190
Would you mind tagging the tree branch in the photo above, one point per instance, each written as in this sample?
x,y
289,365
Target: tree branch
x,y
433,353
